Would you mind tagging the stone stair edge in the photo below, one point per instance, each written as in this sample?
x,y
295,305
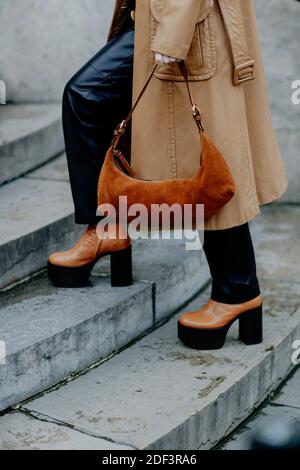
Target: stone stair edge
x,y
240,394
35,212
60,351
26,143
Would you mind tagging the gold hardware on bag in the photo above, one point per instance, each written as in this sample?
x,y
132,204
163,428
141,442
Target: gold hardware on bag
x,y
198,117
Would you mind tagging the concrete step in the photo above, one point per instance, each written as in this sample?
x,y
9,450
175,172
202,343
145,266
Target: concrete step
x,y
36,219
158,394
283,408
30,134
50,333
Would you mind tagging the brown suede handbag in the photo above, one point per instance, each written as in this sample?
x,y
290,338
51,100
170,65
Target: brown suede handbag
x,y
212,185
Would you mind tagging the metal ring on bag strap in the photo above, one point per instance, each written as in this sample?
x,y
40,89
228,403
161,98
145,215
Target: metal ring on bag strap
x,y
120,129
196,112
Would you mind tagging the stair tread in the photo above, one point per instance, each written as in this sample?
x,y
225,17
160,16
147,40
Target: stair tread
x,y
24,432
65,330
56,170
20,120
26,205
30,134
156,393
36,218
159,394
36,311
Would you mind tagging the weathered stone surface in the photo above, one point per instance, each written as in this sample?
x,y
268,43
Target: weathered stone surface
x,y
37,216
270,414
21,432
56,39
177,274
50,333
29,136
290,393
159,394
36,316
36,219
282,410
56,170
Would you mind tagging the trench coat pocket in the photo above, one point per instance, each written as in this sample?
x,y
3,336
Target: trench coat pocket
x,y
201,60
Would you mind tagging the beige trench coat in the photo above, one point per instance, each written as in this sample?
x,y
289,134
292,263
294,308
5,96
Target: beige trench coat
x,y
165,139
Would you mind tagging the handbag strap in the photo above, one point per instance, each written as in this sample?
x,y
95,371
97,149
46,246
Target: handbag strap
x,y
196,113
120,129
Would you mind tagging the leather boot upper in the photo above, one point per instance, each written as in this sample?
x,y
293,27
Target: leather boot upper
x,y
89,248
215,315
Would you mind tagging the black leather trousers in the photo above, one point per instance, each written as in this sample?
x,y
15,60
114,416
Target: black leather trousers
x,y
231,260
95,100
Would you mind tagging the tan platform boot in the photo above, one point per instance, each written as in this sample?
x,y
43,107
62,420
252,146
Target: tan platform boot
x,y
207,327
72,268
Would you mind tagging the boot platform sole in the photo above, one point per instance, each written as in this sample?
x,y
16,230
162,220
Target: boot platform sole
x,y
72,277
250,332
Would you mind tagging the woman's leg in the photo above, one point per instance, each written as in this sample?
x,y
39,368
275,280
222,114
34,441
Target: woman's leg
x,y
231,260
95,100
235,293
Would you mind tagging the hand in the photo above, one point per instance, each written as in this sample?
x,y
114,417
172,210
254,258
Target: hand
x,y
164,59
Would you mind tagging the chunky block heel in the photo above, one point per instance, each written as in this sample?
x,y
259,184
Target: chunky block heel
x,y
251,326
69,277
194,335
121,268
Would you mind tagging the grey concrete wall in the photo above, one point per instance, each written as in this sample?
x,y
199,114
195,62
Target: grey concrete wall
x,y
280,37
43,42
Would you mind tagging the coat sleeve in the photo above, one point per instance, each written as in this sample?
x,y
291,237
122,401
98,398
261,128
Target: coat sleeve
x,y
176,27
